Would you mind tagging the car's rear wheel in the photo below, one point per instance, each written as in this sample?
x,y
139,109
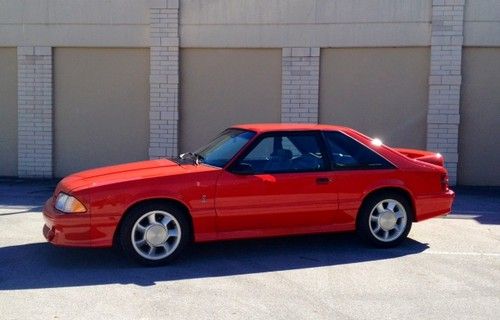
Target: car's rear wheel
x,y
155,234
385,219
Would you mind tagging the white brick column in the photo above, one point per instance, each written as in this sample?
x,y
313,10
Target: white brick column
x,y
300,85
34,90
445,78
164,78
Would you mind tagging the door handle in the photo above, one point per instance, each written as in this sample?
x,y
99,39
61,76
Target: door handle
x,y
323,180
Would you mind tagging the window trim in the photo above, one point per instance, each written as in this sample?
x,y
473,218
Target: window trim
x,y
258,138
333,167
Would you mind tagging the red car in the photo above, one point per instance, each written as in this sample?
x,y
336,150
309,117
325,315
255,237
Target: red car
x,y
254,180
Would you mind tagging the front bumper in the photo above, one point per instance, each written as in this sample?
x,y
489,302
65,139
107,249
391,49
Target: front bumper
x,y
70,229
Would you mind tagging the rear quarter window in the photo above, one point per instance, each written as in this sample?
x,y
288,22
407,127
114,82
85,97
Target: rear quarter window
x,y
348,154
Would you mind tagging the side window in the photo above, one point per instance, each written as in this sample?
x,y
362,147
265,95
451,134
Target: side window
x,y
348,154
285,152
262,151
287,144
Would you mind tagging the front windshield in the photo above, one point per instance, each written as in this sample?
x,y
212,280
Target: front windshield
x,y
224,147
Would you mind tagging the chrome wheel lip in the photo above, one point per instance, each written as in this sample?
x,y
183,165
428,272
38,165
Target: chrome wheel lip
x,y
148,228
387,220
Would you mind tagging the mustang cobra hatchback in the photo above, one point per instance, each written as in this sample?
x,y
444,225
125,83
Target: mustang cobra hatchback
x,y
254,180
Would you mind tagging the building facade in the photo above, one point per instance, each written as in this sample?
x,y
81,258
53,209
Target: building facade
x,y
85,83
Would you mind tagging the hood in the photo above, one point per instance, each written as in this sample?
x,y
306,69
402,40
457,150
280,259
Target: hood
x,y
118,173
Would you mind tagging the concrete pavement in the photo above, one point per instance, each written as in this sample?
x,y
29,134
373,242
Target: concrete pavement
x,y
448,269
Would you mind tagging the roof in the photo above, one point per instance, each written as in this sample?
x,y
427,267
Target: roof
x,y
263,127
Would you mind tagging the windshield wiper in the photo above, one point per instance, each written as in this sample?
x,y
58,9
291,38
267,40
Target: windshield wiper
x,y
194,157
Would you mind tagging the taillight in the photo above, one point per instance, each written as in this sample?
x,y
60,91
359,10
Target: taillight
x,y
444,182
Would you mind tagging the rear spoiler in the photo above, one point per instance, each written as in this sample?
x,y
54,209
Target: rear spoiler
x,y
421,155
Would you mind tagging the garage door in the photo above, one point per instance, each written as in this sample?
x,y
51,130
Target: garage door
x,y
479,153
379,91
8,112
101,107
221,87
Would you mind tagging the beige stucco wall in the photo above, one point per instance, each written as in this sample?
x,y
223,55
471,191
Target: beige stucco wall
x,y
219,23
240,23
381,92
221,87
482,23
88,23
101,107
479,151
8,112
305,23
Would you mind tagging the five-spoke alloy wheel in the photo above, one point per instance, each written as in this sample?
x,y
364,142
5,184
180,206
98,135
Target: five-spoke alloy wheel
x,y
385,219
154,234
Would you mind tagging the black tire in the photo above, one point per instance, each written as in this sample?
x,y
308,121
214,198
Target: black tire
x,y
138,234
374,222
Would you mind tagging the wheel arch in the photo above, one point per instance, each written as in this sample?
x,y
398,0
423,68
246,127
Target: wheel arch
x,y
158,201
389,189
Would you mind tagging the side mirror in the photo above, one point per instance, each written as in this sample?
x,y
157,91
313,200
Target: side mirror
x,y
242,168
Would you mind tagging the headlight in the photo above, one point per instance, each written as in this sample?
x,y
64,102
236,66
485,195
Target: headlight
x,y
69,204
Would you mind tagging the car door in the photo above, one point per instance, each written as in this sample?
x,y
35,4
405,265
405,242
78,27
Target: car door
x,y
281,181
356,170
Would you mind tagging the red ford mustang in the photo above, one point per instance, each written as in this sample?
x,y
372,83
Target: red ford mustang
x,y
254,180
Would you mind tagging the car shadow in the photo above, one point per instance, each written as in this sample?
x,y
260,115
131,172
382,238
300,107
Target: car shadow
x,y
482,217
41,265
479,203
25,193
13,211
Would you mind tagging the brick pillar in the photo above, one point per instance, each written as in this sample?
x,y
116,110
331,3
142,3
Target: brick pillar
x,y
164,78
443,115
34,90
300,85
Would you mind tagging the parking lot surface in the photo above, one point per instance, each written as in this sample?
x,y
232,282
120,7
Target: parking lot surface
x,y
449,268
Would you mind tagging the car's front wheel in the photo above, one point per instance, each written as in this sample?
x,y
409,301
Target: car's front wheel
x,y
385,219
154,234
